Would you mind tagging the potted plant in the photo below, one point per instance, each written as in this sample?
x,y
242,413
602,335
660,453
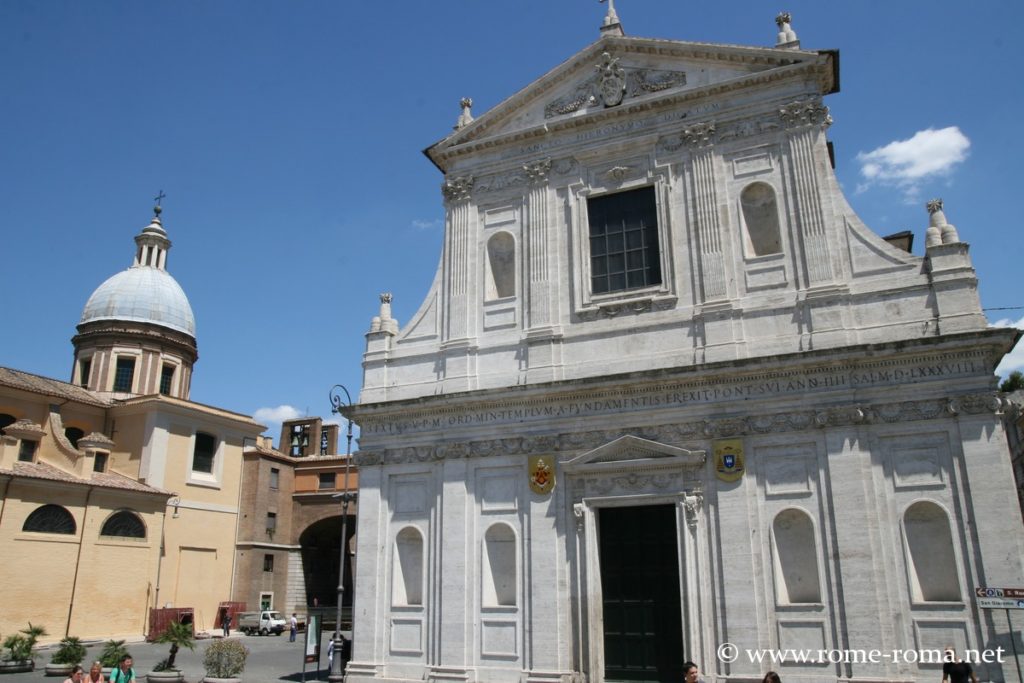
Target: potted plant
x,y
177,635
68,654
112,654
18,653
224,661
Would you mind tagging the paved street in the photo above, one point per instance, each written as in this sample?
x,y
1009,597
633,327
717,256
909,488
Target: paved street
x,y
271,658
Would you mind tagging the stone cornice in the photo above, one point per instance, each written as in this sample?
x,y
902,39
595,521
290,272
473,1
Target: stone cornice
x,y
687,433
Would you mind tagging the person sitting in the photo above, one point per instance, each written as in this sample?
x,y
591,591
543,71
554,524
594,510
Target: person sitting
x,y
76,675
95,674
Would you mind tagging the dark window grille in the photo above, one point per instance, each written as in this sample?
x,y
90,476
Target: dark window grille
x,y
327,481
27,450
50,519
124,374
203,454
271,522
84,370
275,478
624,251
125,524
99,463
166,377
268,563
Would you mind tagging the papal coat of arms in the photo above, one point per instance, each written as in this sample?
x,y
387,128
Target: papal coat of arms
x,y
613,80
729,465
542,473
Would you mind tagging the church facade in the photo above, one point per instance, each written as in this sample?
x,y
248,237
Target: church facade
x,y
669,396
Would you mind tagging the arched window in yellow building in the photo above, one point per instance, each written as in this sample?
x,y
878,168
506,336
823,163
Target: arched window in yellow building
x,y
50,519
124,524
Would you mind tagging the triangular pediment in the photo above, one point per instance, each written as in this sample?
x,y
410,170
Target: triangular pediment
x,y
632,451
637,70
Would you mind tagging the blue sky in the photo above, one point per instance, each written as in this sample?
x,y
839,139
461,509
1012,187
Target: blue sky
x,y
288,136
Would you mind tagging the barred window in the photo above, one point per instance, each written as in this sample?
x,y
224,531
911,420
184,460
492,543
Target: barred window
x,y
624,250
203,453
50,519
166,377
125,524
124,374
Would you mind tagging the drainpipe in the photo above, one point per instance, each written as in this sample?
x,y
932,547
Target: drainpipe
x,y
78,561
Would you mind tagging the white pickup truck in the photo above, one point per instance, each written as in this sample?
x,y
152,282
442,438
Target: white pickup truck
x,y
264,623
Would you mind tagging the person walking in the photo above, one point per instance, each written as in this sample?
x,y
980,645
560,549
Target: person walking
x,y
225,621
690,672
294,628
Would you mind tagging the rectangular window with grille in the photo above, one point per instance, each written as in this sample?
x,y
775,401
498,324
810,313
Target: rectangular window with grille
x,y
271,522
99,462
268,563
275,478
624,250
327,480
166,377
84,370
124,374
204,452
27,450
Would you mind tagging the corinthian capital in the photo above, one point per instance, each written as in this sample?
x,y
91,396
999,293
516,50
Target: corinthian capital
x,y
457,189
537,172
805,113
700,134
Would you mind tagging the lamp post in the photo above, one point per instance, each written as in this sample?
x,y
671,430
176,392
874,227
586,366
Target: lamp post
x,y
337,403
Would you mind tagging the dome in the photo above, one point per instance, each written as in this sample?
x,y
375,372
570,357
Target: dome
x,y
142,294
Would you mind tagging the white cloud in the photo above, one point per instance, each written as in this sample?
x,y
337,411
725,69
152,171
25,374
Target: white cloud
x,y
907,163
276,415
1014,360
426,225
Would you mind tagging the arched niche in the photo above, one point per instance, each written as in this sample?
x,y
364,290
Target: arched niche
x,y
760,220
407,568
499,566
796,558
931,562
501,266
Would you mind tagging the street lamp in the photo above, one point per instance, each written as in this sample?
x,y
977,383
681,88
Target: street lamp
x,y
337,403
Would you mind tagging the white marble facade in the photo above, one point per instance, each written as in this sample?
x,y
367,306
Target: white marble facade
x,y
857,377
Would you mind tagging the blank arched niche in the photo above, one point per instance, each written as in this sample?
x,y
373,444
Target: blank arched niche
x,y
930,560
796,558
407,568
501,266
761,219
499,570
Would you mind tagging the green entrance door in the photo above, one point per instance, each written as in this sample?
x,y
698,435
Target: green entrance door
x,y
643,633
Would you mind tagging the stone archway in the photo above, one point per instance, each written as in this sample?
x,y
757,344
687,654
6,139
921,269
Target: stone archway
x,y
320,548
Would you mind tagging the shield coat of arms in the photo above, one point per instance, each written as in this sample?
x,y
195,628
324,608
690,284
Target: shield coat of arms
x,y
613,80
729,465
542,473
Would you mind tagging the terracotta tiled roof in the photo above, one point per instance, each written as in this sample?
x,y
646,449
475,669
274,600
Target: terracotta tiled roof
x,y
109,480
48,387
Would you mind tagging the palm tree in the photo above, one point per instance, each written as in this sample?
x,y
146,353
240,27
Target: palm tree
x,y
178,635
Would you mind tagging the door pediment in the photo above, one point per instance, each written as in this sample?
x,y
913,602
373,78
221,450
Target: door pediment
x,y
634,454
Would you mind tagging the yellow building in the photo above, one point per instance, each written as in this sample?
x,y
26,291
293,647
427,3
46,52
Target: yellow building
x,y
118,494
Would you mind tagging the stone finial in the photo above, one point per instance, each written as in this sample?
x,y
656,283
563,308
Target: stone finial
x,y
466,117
384,322
787,36
611,25
939,230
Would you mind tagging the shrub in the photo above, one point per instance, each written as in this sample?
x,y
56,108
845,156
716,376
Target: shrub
x,y
17,648
178,635
113,652
71,651
225,658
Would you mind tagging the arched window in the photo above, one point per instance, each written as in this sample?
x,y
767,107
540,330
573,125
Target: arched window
x,y
73,434
50,519
407,570
930,560
124,524
499,575
501,266
796,558
761,219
